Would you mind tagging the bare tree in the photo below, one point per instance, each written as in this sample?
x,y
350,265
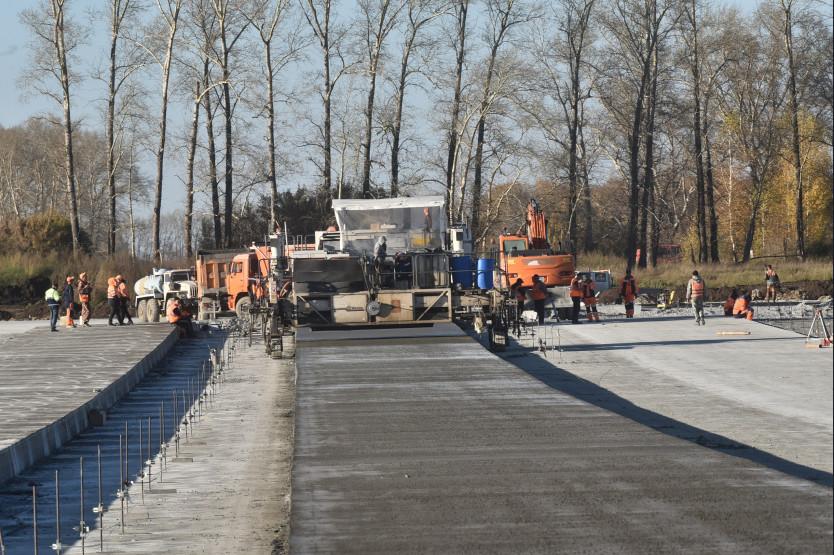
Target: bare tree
x,y
48,23
380,17
503,15
419,14
461,11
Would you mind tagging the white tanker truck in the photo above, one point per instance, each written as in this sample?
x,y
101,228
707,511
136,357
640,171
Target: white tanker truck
x,y
154,291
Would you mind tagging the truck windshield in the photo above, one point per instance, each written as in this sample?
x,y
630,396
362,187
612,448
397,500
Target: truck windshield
x,y
180,276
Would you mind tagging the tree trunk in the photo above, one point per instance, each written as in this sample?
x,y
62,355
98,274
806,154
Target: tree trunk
x,y
369,116
461,9
69,159
111,142
270,108
797,158
398,115
163,123
189,184
328,92
588,244
212,156
477,185
713,218
647,224
227,118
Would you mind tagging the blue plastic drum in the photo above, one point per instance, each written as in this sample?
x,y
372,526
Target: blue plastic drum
x,y
463,268
486,266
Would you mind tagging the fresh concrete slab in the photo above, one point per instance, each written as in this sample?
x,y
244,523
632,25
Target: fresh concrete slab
x,y
50,382
764,390
403,446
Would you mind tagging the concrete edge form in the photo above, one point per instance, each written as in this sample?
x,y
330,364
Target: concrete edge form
x,y
20,455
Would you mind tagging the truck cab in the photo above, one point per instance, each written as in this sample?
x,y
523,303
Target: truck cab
x,y
518,260
247,271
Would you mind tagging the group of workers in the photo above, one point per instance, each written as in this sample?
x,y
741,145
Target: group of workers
x,y
118,298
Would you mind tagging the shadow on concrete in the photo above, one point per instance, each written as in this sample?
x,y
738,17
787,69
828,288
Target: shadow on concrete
x,y
584,390
632,344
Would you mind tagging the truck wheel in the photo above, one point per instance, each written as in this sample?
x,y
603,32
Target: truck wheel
x,y
242,307
153,310
141,310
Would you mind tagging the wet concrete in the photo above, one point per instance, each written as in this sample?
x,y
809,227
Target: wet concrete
x,y
435,445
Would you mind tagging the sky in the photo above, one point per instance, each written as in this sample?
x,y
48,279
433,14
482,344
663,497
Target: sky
x,y
17,105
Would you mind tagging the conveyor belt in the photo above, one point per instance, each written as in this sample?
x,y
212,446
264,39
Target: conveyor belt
x,y
431,444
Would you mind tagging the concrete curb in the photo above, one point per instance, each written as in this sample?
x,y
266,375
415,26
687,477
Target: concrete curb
x,y
20,455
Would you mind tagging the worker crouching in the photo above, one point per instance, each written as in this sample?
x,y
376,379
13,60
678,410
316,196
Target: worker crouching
x,y
742,308
589,297
180,317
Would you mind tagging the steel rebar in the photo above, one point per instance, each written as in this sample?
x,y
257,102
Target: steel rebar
x,y
120,491
100,506
57,547
35,516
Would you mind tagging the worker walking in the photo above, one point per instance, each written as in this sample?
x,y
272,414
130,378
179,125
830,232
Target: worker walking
x,y
113,302
538,292
742,308
628,291
772,282
589,297
575,296
695,294
124,300
68,301
85,290
53,300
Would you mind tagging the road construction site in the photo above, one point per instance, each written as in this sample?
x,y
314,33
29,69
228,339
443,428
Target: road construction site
x,y
641,435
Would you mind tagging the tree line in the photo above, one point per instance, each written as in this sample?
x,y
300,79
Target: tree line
x,y
635,123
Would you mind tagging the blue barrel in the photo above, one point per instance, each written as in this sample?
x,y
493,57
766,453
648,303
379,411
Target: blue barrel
x,y
463,271
486,266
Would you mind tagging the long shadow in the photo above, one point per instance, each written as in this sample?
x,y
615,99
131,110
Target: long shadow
x,y
580,388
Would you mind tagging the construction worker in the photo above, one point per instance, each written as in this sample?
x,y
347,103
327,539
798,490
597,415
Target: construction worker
x,y
124,301
730,303
538,292
628,291
519,293
742,308
695,294
590,298
85,290
575,296
772,282
68,300
179,316
113,301
53,300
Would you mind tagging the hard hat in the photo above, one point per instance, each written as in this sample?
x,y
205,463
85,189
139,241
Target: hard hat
x,y
82,275
119,278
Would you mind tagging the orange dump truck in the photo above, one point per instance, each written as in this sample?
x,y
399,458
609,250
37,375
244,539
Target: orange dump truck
x,y
225,276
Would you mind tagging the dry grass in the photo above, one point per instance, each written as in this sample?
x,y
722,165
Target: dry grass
x,y
669,275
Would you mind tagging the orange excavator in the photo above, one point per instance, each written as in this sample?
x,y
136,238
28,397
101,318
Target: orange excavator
x,y
524,256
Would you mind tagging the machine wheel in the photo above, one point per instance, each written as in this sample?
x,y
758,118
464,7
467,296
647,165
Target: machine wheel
x,y
242,308
142,310
153,310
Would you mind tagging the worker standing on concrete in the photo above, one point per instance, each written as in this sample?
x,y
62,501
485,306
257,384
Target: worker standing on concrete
x,y
695,294
519,293
124,300
589,297
575,296
772,282
628,291
538,292
68,300
730,303
53,300
85,290
742,308
113,302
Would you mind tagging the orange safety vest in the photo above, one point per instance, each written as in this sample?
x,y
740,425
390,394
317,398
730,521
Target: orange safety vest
x,y
111,288
628,289
697,289
171,313
740,306
84,291
538,292
575,288
122,289
588,293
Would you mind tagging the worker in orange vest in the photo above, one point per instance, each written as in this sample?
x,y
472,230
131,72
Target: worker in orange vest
x,y
575,296
124,300
695,294
538,292
179,316
590,298
628,291
518,293
85,290
741,308
730,303
113,301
